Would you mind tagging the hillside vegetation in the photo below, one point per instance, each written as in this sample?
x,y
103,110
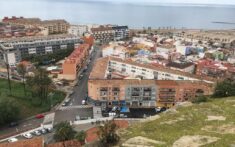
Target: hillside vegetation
x,y
209,124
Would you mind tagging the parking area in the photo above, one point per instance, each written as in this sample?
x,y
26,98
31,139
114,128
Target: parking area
x,y
131,112
70,114
40,131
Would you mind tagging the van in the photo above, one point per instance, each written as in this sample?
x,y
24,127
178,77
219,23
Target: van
x,y
83,102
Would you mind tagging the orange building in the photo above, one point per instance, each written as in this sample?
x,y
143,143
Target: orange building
x,y
74,62
145,93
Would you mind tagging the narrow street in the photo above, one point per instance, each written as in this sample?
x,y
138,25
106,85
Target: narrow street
x,y
69,112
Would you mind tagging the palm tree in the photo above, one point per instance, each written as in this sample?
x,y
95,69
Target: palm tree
x,y
107,133
64,132
81,136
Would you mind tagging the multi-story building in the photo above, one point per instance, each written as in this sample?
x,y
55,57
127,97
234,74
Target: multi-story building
x,y
74,62
15,49
148,71
53,26
215,69
105,34
78,30
182,66
121,32
115,50
143,86
144,93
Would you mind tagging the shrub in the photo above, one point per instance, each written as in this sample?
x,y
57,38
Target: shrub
x,y
200,99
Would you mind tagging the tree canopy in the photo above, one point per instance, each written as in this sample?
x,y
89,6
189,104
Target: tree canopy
x,y
9,111
225,88
107,133
64,132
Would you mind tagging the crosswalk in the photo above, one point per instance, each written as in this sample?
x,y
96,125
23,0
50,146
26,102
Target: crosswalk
x,y
75,107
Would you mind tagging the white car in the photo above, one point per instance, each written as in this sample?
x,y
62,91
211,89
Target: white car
x,y
43,131
38,133
27,135
49,129
12,140
83,102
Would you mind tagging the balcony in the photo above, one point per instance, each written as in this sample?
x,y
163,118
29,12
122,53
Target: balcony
x,y
135,89
147,99
135,94
116,89
147,89
147,93
104,89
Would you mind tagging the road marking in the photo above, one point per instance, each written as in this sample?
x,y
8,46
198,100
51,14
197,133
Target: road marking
x,y
75,107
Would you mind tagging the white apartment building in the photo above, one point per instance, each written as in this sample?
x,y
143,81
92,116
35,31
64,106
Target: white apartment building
x,y
144,41
78,30
115,51
12,50
164,51
149,72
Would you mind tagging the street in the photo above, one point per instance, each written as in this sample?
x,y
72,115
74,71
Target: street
x,y
80,91
74,108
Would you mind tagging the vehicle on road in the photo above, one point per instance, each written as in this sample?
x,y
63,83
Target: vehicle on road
x,y
80,77
83,102
12,140
39,116
66,102
43,131
37,132
27,135
85,69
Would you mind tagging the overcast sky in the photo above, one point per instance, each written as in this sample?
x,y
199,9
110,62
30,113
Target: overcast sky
x,y
177,1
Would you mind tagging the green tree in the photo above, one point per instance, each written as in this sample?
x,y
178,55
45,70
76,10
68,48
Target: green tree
x,y
21,69
225,88
108,133
40,84
9,111
64,132
81,136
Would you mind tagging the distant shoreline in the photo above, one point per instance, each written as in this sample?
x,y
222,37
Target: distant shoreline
x,y
223,22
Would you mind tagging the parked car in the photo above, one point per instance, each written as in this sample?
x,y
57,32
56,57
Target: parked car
x,y
43,131
64,104
27,135
67,100
49,129
37,132
115,108
39,116
12,140
77,118
160,109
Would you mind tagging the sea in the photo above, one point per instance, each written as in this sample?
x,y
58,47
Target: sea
x,y
131,14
